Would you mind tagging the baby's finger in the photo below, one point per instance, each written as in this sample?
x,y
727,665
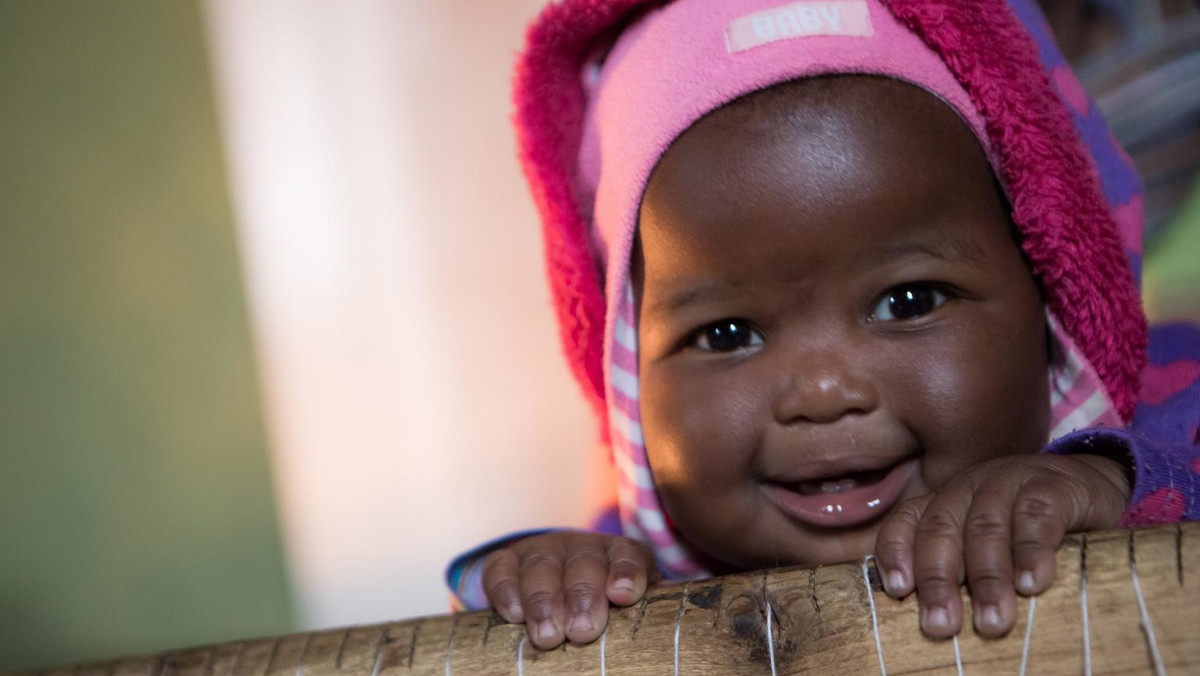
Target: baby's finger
x,y
502,584
938,565
894,546
584,579
988,555
542,597
1040,519
630,570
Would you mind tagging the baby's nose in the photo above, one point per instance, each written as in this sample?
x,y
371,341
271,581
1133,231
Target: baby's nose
x,y
823,388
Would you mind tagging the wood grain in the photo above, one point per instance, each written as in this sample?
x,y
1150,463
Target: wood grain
x,y
821,623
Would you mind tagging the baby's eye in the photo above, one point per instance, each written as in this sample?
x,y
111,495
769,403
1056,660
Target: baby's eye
x,y
907,301
726,335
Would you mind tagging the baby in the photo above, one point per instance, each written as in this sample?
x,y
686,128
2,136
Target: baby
x,y
864,293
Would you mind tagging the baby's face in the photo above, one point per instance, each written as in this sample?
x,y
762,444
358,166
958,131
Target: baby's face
x,y
833,317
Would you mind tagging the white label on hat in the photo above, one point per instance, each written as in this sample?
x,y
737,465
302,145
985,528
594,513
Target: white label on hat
x,y
799,20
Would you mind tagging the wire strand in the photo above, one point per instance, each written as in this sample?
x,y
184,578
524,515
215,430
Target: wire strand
x,y
874,616
1028,633
770,640
1147,627
603,650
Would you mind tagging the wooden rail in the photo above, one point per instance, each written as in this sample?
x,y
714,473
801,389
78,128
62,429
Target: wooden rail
x,y
1137,593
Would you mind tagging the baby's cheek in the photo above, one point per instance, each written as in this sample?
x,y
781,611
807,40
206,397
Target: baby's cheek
x,y
701,433
692,451
725,522
696,431
978,403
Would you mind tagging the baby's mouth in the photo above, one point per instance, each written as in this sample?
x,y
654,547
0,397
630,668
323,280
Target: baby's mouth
x,y
843,500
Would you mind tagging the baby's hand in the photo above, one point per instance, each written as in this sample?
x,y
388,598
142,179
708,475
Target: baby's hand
x,y
998,525
566,579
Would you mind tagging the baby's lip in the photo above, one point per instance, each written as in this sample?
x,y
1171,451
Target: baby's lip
x,y
835,468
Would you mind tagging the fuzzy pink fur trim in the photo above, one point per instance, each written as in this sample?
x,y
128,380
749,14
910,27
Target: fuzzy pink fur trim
x,y
1070,235
549,98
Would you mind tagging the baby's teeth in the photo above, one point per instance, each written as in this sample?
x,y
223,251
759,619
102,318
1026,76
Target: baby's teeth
x,y
838,486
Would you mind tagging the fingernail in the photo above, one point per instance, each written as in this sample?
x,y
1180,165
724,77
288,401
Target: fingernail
x,y
988,618
545,629
937,618
515,612
623,584
582,623
895,582
1026,583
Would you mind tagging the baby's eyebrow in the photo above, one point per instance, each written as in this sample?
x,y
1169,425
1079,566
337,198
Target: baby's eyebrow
x,y
951,249
943,248
691,294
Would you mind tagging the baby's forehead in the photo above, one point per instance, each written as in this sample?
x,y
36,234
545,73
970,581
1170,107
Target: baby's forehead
x,y
836,129
842,168
834,103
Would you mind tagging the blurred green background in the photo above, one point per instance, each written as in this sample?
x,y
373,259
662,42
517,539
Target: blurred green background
x,y
136,510
1172,274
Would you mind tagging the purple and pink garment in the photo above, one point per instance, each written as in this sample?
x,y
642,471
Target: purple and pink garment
x,y
605,86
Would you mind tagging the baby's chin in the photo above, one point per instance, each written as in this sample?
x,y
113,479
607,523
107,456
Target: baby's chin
x,y
851,546
787,547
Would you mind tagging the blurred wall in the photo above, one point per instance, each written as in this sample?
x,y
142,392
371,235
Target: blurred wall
x,y
417,400
136,509
413,397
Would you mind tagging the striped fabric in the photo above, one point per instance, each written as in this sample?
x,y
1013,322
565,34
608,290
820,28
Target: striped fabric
x,y
642,515
1078,399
